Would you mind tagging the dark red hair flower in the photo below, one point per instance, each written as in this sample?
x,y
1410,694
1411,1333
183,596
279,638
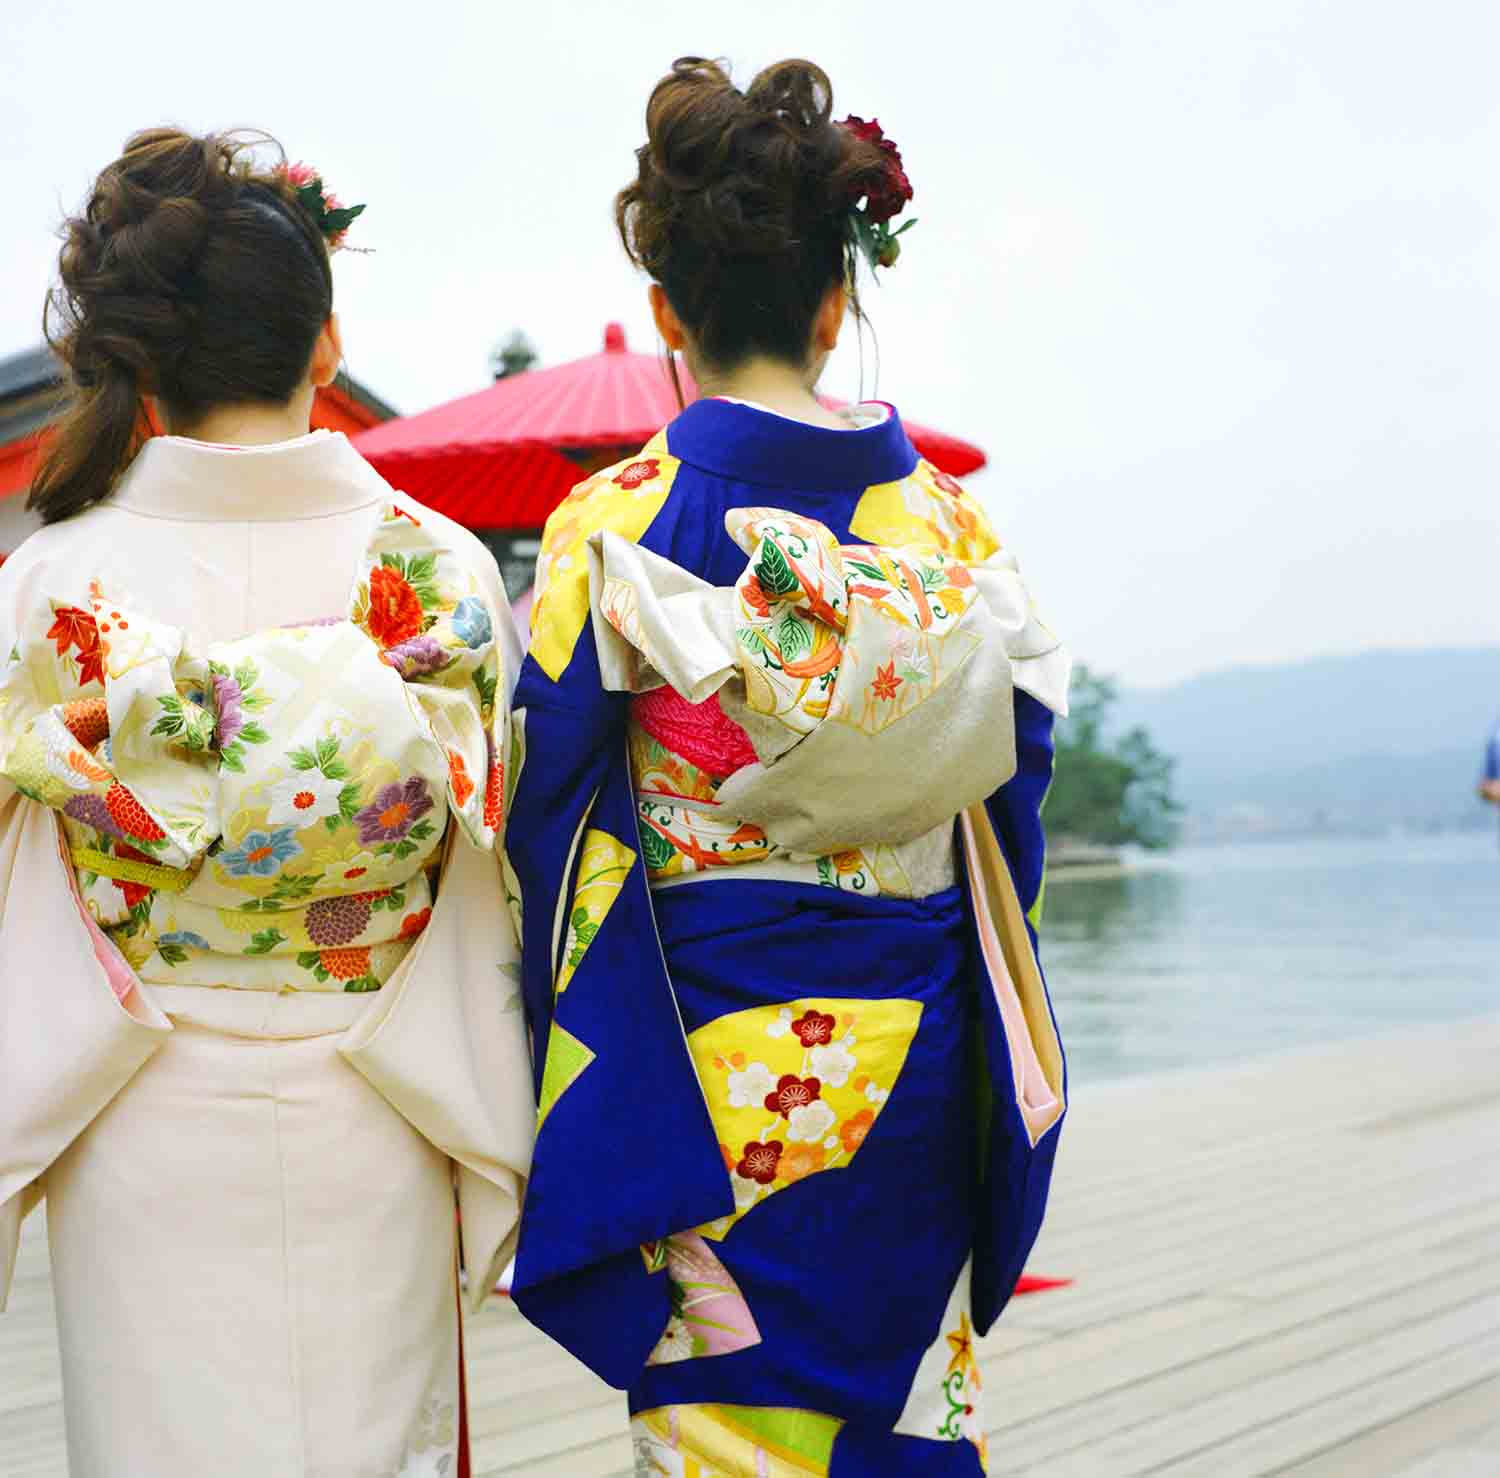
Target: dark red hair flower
x,y
890,198
884,199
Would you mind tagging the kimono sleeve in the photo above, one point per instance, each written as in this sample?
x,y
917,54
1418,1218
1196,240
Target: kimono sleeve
x,y
1016,1162
625,1152
1015,1170
73,1028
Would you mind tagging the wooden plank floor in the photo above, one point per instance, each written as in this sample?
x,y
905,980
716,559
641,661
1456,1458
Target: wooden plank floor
x,y
1291,1267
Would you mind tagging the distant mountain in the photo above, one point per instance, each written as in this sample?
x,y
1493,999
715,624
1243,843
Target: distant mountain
x,y
1363,742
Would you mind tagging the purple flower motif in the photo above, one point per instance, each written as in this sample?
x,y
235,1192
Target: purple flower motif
x,y
394,811
91,810
416,656
230,709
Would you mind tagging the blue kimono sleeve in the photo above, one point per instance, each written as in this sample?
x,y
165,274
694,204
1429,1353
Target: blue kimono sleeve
x,y
1492,756
1015,1175
625,1152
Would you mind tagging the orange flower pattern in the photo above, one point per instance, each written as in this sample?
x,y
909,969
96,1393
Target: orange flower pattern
x,y
395,609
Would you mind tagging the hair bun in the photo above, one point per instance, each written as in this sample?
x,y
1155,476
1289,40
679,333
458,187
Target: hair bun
x,y
740,205
795,92
191,274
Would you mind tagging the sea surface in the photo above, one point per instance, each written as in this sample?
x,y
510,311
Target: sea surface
x,y
1220,954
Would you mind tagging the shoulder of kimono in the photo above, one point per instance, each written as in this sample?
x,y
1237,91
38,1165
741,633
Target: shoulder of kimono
x,y
624,499
52,568
443,533
925,507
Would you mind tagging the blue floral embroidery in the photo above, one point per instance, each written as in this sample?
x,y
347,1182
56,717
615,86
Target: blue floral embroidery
x,y
184,937
261,853
471,622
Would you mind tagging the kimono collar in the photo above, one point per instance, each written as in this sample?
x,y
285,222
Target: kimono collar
x,y
747,444
310,477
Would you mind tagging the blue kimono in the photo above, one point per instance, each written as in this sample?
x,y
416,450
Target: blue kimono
x,y
782,1177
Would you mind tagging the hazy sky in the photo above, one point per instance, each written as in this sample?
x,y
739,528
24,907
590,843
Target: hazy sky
x,y
1215,282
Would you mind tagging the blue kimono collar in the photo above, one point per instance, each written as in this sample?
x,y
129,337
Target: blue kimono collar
x,y
747,444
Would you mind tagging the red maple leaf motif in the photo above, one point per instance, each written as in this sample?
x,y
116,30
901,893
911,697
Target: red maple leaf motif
x,y
886,682
72,627
753,596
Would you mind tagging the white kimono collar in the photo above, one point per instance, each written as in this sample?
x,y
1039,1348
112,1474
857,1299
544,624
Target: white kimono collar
x,y
311,476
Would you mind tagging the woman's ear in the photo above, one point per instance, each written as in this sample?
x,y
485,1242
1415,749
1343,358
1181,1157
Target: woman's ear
x,y
328,353
668,324
830,320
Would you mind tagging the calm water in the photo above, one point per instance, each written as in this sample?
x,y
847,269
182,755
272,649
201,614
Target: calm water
x,y
1223,953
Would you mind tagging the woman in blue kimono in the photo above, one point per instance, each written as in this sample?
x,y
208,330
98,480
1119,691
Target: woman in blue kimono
x,y
787,722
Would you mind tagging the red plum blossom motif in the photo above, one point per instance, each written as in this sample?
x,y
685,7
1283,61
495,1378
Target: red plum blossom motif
x,y
792,1092
636,473
814,1028
760,1162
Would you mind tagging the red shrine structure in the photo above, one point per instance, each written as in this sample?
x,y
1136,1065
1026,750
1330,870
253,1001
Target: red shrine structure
x,y
500,460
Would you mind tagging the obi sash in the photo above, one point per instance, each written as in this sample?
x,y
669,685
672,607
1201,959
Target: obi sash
x,y
266,813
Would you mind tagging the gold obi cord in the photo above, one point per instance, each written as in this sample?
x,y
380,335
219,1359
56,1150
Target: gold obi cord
x,y
125,870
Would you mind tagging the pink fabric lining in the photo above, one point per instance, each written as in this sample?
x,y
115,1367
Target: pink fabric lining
x,y
700,733
121,977
1034,1095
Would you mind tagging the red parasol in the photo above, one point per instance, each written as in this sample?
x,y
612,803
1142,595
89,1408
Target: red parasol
x,y
504,457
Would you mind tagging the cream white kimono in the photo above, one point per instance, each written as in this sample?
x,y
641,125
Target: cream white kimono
x,y
250,1099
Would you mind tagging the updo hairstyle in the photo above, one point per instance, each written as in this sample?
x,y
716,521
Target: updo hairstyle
x,y
193,275
739,208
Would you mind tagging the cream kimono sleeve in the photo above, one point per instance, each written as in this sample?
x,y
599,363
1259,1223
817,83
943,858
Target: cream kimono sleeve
x,y
445,1040
74,1027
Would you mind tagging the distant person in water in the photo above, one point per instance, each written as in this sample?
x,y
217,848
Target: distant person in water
x,y
1489,781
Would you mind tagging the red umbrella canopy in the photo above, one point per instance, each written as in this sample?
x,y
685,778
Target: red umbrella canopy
x,y
496,459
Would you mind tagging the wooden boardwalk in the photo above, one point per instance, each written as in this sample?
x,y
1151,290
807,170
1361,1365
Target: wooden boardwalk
x,y
1291,1267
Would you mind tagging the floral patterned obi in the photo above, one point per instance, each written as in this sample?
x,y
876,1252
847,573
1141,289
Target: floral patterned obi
x,y
814,634
680,755
267,813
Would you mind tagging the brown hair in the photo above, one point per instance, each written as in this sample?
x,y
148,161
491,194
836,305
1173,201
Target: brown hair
x,y
740,205
191,274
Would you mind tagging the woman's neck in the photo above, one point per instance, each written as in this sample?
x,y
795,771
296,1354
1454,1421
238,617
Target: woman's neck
x,y
246,425
779,387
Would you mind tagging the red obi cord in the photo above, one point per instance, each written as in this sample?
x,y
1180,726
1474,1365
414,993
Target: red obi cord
x,y
700,733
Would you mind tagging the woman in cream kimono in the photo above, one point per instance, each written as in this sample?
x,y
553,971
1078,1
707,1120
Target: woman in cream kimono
x,y
259,1023
788,717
